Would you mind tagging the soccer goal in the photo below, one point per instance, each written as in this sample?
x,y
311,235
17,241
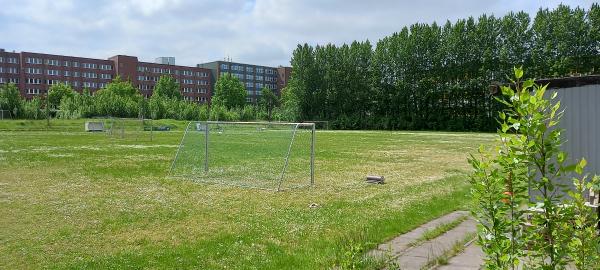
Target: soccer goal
x,y
266,155
134,129
5,114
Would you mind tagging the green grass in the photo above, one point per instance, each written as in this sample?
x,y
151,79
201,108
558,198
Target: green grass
x,y
72,200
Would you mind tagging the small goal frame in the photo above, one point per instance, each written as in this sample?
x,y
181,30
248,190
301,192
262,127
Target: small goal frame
x,y
115,126
207,153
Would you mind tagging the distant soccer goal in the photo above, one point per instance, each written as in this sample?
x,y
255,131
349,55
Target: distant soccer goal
x,y
264,155
134,129
5,114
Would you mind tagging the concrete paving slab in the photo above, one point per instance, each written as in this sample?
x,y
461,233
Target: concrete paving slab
x,y
398,245
417,257
470,258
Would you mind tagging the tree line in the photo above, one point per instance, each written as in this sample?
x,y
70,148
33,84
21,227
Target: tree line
x,y
437,77
121,99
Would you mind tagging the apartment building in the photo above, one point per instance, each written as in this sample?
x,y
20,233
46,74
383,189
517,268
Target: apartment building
x,y
283,77
195,83
10,69
253,77
34,73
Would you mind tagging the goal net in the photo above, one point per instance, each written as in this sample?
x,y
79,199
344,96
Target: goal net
x,y
5,114
133,129
266,155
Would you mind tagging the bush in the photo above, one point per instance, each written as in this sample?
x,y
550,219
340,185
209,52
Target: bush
x,y
559,229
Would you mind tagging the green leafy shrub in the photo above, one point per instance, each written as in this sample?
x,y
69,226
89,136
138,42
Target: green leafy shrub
x,y
553,229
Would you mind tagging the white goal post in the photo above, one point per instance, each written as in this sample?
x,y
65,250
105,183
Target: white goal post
x,y
267,155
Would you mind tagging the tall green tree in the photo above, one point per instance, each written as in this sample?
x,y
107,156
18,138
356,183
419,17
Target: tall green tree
x,y
10,99
121,88
229,92
268,101
58,92
167,87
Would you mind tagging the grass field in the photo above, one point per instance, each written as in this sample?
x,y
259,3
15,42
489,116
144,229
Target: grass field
x,y
70,199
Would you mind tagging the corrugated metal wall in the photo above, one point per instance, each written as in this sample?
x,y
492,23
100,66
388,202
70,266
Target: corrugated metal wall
x,y
581,121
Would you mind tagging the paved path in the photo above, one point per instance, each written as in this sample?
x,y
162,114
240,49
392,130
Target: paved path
x,y
470,258
401,252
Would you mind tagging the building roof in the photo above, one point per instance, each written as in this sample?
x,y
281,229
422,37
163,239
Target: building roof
x,y
567,82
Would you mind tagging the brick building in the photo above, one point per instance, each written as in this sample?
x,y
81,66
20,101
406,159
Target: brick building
x,y
34,73
283,77
253,77
195,83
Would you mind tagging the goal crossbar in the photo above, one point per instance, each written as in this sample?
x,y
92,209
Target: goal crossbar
x,y
204,128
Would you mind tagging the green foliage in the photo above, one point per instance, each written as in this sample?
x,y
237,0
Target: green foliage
x,y
290,104
34,109
167,87
268,102
57,92
436,77
121,88
10,99
229,92
528,157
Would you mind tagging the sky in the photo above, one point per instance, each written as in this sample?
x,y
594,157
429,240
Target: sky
x,y
263,32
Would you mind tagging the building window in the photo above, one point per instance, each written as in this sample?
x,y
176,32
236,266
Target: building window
x,y
188,81
13,80
202,82
52,62
201,90
34,81
2,80
224,66
156,70
52,82
269,71
75,64
249,84
101,85
52,72
75,83
90,65
106,76
187,90
187,73
249,69
259,85
259,77
249,77
1,59
33,91
106,67
260,70
90,75
89,84
76,74
248,99
33,71
35,61
66,63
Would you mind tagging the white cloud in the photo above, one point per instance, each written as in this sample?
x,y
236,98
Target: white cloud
x,y
261,31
